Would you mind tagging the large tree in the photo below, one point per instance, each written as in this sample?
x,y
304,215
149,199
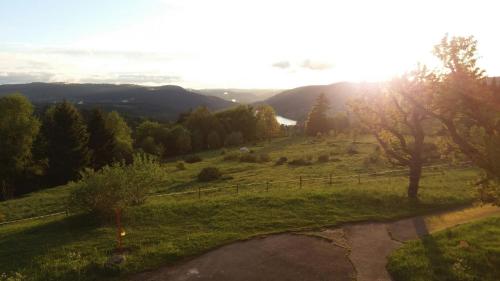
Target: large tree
x,y
467,108
18,130
66,137
317,121
102,141
397,124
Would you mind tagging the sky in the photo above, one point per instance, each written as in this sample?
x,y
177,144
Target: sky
x,y
233,43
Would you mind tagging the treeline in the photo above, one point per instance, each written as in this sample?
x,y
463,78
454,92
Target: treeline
x,y
56,146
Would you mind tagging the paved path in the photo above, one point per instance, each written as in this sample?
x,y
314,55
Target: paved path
x,y
353,252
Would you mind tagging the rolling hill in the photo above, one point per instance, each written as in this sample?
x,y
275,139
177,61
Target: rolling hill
x,y
296,103
164,102
240,95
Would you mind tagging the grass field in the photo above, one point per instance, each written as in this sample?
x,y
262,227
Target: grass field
x,y
167,229
464,253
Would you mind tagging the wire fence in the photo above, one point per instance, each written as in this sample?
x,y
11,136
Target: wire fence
x,y
299,182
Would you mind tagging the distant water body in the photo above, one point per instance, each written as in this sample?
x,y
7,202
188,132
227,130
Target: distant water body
x,y
285,121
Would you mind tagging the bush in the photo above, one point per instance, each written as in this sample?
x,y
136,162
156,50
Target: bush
x,y
264,157
323,158
209,174
233,156
180,166
234,139
282,160
250,158
299,162
115,187
192,159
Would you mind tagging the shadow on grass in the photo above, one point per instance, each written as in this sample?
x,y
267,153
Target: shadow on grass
x,y
434,254
24,248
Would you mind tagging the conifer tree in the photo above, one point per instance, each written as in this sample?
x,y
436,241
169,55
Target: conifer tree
x,y
102,141
317,121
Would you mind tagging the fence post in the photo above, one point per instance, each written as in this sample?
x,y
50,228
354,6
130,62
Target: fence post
x,y
199,192
330,178
300,181
267,186
359,178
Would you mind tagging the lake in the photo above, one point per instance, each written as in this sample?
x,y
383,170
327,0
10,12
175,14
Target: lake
x,y
285,121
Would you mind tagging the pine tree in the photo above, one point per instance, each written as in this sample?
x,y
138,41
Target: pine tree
x,y
317,121
66,137
102,141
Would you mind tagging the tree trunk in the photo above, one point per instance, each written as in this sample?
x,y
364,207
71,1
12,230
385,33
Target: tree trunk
x,y
415,173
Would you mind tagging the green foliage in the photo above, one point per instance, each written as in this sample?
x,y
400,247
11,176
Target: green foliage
x,y
209,174
214,140
149,136
66,136
240,119
203,122
234,139
267,127
179,141
317,121
232,156
340,123
115,187
102,141
123,149
18,130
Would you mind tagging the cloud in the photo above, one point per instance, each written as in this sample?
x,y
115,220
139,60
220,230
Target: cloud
x,y
28,77
133,79
281,64
315,65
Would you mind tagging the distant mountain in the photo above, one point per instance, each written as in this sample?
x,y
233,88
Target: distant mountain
x,y
296,103
165,102
240,95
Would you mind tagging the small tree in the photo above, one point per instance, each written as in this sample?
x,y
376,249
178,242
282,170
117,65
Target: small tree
x,y
267,125
123,137
398,125
317,121
214,140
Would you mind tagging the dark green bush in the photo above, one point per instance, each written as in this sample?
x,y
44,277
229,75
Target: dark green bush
x,y
264,157
192,159
180,166
282,160
209,174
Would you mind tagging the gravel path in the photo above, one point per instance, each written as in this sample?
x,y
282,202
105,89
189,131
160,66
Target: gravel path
x,y
356,251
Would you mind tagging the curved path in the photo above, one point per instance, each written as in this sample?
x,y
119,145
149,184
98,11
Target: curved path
x,y
355,251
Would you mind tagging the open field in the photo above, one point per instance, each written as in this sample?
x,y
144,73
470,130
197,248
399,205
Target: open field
x,y
466,252
167,229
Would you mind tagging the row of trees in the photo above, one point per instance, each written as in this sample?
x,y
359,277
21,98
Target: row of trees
x,y
54,148
457,97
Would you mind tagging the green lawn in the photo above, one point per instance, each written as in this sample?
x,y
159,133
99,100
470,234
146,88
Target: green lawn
x,y
463,253
166,229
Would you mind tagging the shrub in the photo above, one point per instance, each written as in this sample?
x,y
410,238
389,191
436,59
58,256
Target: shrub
x,y
234,139
192,159
250,158
116,187
299,162
264,157
209,174
323,158
282,160
180,166
233,156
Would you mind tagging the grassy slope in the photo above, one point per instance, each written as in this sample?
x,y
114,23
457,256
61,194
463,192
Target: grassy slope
x,y
441,257
167,229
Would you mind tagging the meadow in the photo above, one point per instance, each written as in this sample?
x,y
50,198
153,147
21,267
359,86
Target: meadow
x,y
170,228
